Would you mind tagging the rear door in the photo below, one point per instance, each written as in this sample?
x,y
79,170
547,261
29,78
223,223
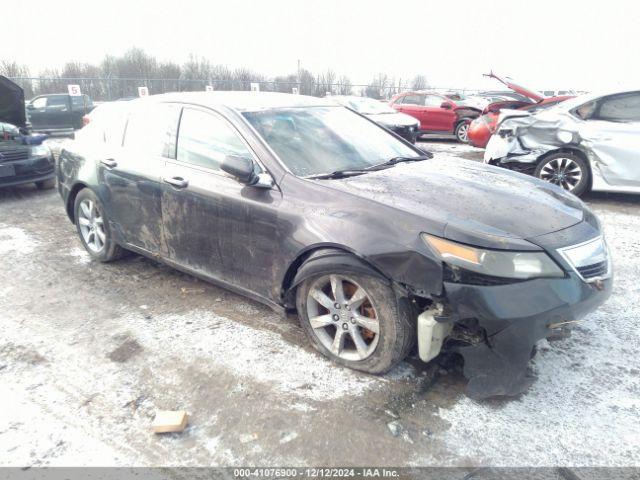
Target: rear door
x,y
131,175
36,112
614,133
213,224
58,112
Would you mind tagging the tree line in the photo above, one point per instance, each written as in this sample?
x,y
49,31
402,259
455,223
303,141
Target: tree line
x,y
120,76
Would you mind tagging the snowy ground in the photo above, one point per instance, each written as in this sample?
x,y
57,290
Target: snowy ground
x,y
88,352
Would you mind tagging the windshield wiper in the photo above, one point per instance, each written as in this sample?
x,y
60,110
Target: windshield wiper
x,y
359,171
340,174
396,160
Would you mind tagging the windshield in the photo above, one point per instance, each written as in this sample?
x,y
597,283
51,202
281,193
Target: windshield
x,y
318,140
366,106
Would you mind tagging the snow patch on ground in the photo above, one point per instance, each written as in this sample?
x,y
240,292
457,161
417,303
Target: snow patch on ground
x,y
260,355
16,241
80,256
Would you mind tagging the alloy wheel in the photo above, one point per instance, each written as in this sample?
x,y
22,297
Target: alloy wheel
x,y
91,225
563,172
343,318
463,131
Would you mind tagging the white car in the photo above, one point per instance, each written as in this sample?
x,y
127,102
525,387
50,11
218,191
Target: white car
x,y
591,142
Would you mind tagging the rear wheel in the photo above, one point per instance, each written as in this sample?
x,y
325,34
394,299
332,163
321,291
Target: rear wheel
x,y
461,132
565,169
93,228
356,320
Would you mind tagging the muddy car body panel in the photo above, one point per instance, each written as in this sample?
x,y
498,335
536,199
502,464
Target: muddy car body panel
x,y
608,138
263,241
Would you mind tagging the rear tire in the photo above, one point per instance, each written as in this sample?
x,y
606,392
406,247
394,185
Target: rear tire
x,y
93,228
567,170
46,184
371,335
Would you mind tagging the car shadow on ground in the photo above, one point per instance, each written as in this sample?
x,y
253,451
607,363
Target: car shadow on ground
x,y
22,192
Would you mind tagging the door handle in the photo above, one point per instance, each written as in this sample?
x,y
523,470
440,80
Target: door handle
x,y
177,182
109,162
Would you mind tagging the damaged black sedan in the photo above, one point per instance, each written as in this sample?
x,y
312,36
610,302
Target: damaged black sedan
x,y
305,205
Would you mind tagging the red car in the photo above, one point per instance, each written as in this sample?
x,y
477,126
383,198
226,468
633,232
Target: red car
x,y
481,128
436,113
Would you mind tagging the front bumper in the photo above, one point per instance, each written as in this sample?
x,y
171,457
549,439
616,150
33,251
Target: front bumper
x,y
509,320
32,169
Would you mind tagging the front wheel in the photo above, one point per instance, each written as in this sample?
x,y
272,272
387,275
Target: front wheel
x,y
356,320
93,228
462,131
565,169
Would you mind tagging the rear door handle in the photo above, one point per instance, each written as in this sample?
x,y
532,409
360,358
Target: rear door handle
x,y
109,162
177,182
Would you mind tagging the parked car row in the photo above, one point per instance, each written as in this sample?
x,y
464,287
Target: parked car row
x,y
308,206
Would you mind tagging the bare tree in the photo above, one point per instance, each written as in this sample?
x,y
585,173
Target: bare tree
x,y
419,82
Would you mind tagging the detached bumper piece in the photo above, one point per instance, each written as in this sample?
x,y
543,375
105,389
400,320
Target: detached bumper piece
x,y
496,327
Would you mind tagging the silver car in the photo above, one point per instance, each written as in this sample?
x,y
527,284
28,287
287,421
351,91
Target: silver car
x,y
591,142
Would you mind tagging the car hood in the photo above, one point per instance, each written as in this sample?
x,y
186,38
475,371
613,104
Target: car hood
x,y
470,202
12,107
393,119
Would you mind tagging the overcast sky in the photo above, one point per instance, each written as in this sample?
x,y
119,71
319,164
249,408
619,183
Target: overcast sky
x,y
546,44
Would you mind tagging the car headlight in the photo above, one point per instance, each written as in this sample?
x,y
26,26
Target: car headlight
x,y
495,263
40,150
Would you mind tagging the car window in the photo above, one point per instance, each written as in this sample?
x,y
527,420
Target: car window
x,y
413,99
620,108
317,140
39,102
79,103
205,139
433,101
57,102
151,129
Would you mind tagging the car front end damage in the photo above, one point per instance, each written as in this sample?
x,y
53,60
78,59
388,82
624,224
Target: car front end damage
x,y
23,158
494,322
522,139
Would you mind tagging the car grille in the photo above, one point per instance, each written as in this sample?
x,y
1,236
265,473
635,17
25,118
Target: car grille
x,y
13,155
594,271
591,259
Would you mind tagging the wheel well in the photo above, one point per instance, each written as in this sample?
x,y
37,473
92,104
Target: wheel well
x,y
288,289
71,199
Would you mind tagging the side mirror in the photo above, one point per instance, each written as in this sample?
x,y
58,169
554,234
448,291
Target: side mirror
x,y
239,167
30,106
446,105
242,168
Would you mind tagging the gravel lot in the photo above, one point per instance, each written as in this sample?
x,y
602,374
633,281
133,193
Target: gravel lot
x,y
88,352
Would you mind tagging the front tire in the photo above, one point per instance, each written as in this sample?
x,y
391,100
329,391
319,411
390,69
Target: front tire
x,y
462,130
93,228
567,170
356,320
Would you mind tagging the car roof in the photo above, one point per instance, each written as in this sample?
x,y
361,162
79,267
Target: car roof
x,y
588,97
244,101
